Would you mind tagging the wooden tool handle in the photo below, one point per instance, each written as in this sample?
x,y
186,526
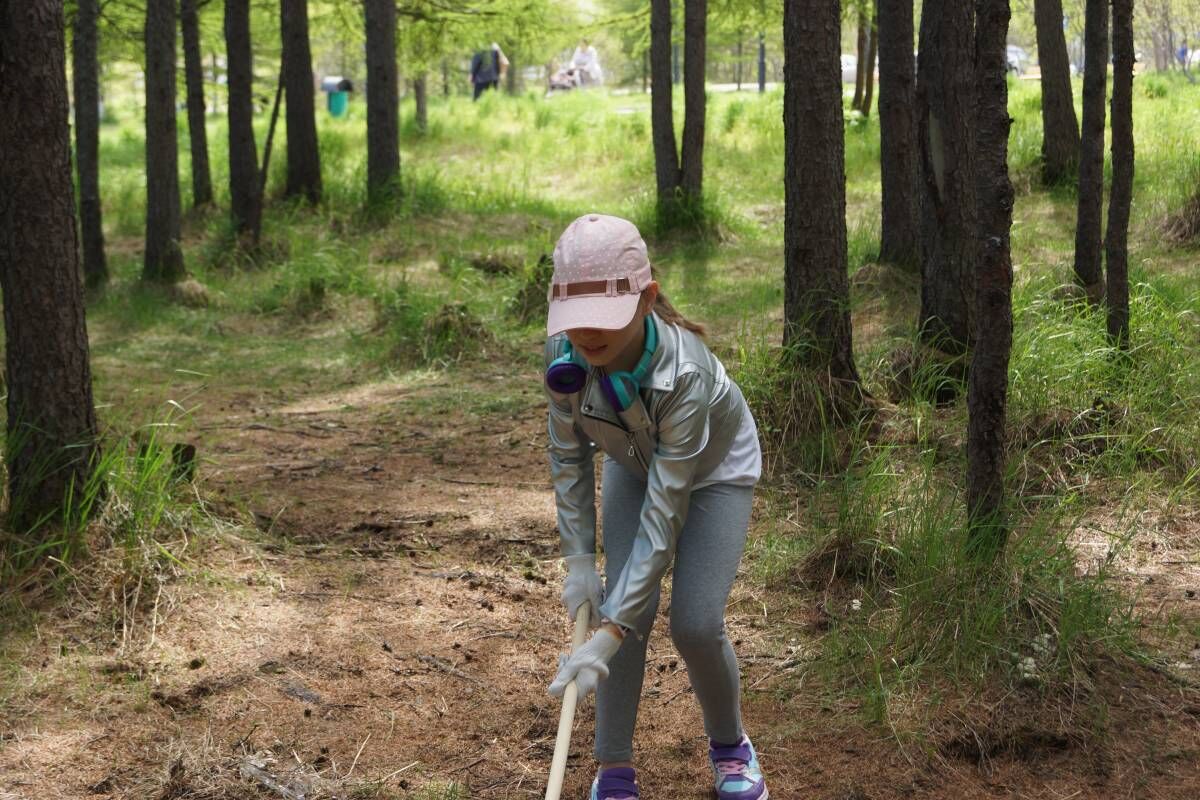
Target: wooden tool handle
x,y
562,744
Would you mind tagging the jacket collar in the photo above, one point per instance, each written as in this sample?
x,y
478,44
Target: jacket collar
x,y
661,374
664,364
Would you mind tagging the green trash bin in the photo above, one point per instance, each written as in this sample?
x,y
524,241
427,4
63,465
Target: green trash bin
x,y
338,89
338,102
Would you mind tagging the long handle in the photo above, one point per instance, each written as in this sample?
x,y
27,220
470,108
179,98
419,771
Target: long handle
x,y
562,744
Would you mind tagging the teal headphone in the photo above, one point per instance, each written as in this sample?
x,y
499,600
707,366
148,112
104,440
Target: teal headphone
x,y
567,374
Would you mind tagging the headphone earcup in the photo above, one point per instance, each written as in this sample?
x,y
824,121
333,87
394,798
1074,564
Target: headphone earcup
x,y
564,376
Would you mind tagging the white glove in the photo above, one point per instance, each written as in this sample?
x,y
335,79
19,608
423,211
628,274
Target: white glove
x,y
583,583
588,665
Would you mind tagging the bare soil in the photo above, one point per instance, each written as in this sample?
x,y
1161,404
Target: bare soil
x,y
391,626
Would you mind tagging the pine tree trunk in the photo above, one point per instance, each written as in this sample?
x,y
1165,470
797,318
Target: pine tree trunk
x,y
193,70
510,77
946,121
51,416
869,75
1089,273
422,102
383,101
87,142
303,150
987,392
662,121
695,42
816,287
762,63
244,178
163,259
1116,240
898,152
1060,128
216,98
741,36
860,53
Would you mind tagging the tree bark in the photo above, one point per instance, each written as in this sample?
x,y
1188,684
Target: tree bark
x,y
946,118
244,195
510,77
383,101
163,260
869,74
816,286
898,152
1089,272
1161,62
193,70
987,391
741,36
216,99
1116,240
422,103
662,119
1060,128
303,150
762,63
87,142
860,53
51,415
695,42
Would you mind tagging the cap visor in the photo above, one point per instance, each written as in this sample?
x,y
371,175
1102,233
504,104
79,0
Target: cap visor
x,y
601,313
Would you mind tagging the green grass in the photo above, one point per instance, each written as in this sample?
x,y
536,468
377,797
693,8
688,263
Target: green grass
x,y
136,507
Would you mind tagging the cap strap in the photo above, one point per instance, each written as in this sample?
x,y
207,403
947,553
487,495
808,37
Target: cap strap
x,y
608,288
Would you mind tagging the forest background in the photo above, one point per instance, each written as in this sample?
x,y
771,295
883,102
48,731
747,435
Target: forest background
x,y
314,552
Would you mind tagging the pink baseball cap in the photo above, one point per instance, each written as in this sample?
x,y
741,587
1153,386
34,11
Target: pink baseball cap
x,y
600,270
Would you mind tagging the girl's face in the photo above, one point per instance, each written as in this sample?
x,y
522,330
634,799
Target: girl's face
x,y
617,350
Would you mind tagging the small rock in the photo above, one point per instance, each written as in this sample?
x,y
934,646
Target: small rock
x,y
1027,669
190,293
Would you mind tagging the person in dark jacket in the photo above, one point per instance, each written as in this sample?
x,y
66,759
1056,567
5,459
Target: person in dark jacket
x,y
487,69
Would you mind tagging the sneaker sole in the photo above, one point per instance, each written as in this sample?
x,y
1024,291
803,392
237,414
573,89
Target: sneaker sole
x,y
764,796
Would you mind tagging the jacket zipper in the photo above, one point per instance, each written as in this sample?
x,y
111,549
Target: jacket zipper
x,y
633,450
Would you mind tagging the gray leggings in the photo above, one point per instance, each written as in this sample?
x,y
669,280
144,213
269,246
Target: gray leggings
x,y
706,561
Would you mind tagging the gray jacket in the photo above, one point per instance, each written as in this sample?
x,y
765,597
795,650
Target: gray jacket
x,y
693,411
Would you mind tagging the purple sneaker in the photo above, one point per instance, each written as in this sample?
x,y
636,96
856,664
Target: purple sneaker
x,y
736,771
617,783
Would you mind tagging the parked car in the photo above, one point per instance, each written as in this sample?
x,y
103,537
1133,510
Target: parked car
x,y
849,68
1018,59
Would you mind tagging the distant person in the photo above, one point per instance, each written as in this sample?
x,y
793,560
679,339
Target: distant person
x,y
1182,53
488,68
586,64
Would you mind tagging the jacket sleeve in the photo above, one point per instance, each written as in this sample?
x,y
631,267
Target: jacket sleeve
x,y
683,432
573,473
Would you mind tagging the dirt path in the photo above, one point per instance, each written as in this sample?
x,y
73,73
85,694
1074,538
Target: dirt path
x,y
392,630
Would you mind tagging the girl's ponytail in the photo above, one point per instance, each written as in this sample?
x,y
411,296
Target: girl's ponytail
x,y
667,312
